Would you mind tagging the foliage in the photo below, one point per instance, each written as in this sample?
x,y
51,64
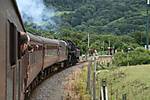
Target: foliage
x,y
110,23
139,37
102,16
97,41
135,57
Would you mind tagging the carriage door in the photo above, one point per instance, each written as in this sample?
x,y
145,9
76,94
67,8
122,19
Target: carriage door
x,y
12,64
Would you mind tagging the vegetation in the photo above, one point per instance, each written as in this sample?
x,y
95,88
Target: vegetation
x,y
104,20
119,24
132,81
102,16
98,41
80,86
136,57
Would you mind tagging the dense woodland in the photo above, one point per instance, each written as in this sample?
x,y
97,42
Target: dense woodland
x,y
116,23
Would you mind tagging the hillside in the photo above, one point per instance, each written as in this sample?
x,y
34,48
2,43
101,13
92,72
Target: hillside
x,y
102,16
104,20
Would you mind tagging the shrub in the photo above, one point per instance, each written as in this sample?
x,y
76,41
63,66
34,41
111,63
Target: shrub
x,y
138,56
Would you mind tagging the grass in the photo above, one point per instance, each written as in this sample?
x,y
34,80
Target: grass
x,y
134,81
80,85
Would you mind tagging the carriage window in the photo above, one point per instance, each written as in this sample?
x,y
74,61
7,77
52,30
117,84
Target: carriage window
x,y
19,55
12,44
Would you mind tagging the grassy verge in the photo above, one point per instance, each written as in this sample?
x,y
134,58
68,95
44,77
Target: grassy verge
x,y
75,86
80,85
134,81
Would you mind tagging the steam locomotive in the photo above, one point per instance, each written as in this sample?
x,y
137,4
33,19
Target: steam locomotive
x,y
22,71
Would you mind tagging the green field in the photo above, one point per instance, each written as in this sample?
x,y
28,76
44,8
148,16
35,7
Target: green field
x,y
134,81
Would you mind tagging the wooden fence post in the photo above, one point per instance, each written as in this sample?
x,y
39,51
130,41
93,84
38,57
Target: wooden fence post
x,y
94,80
89,76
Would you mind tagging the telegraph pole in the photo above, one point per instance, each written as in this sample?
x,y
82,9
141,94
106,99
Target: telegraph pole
x,y
87,53
103,46
147,24
89,67
88,47
94,79
88,41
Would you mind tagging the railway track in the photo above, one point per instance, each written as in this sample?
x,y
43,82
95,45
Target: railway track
x,y
44,88
48,80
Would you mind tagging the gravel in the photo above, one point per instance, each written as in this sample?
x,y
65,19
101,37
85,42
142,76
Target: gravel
x,y
53,87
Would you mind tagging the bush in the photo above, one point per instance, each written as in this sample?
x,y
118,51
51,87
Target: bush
x,y
138,56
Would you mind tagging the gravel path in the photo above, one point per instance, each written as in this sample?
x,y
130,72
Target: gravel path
x,y
53,87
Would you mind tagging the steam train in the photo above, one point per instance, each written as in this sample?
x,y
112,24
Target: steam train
x,y
21,72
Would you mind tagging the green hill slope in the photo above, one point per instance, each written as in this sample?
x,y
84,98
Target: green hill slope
x,y
102,16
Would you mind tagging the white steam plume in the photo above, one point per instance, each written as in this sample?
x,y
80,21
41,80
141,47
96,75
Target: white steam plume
x,y
36,12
